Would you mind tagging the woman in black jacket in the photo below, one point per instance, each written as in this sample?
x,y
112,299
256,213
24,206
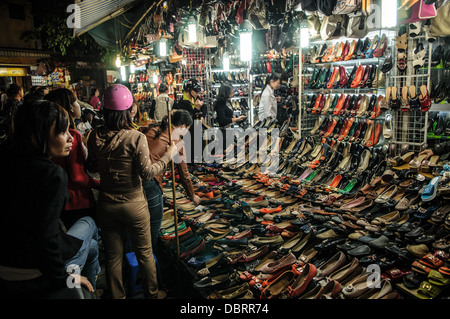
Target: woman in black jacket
x,y
225,115
38,256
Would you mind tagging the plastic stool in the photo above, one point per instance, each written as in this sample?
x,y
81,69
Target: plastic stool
x,y
132,272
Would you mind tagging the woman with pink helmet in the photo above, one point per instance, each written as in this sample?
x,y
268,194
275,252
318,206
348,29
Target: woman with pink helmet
x,y
121,156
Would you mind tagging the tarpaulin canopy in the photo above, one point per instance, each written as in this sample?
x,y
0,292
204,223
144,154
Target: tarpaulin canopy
x,y
109,21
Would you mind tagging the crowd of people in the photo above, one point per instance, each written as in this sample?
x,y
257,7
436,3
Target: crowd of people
x,y
52,223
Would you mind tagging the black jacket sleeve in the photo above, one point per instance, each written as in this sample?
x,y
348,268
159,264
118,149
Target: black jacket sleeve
x,y
223,117
51,238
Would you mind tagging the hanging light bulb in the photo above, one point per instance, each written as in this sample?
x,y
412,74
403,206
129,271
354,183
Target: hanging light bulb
x,y
192,29
162,47
118,61
226,61
388,13
245,37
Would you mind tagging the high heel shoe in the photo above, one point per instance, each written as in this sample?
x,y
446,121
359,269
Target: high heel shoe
x,y
379,51
374,45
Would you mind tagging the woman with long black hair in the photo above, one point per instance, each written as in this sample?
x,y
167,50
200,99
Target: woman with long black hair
x,y
268,105
225,115
36,250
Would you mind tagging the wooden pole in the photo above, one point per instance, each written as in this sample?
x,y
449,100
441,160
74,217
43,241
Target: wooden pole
x,y
175,214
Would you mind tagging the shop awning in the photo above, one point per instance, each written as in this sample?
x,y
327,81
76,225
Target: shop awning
x,y
95,12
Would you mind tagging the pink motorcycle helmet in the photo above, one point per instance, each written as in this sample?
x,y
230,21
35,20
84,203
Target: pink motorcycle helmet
x,y
117,97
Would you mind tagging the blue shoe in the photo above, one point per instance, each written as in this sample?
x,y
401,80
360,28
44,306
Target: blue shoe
x,y
429,192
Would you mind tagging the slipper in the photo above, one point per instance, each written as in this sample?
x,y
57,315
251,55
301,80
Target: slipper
x,y
429,192
427,291
431,261
445,270
426,166
416,163
438,279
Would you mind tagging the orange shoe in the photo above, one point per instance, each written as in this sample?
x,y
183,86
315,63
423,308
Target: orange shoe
x,y
331,128
377,110
351,51
340,104
346,129
358,77
271,210
332,78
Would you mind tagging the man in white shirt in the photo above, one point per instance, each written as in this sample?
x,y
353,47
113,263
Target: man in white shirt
x,y
161,102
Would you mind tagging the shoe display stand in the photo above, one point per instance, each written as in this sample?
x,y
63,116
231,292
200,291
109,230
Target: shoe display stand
x,y
263,67
409,126
439,112
336,106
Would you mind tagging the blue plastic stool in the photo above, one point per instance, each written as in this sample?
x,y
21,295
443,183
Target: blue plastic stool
x,y
132,269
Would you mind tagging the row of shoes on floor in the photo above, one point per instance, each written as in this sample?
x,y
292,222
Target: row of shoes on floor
x,y
361,76
343,51
312,234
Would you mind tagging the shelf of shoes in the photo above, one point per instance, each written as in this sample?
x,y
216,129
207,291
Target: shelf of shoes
x,y
349,69
237,77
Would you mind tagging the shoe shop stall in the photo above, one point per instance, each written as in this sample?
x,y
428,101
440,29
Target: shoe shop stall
x,y
358,206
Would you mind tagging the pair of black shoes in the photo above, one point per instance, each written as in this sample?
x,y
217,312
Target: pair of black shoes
x,y
441,54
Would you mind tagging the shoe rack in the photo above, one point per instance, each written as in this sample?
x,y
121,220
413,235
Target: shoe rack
x,y
343,88
263,67
410,122
238,76
439,112
195,65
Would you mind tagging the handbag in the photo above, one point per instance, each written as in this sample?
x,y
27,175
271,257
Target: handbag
x,y
333,26
427,11
440,25
357,26
347,6
314,25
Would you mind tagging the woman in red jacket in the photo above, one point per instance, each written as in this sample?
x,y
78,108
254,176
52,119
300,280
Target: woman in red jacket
x,y
81,198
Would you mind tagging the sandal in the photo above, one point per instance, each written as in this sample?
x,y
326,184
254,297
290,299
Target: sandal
x,y
424,98
416,163
414,102
419,56
430,191
438,279
427,291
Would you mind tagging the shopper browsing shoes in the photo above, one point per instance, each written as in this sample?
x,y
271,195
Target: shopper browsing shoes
x,y
81,198
122,158
157,141
225,115
36,250
268,106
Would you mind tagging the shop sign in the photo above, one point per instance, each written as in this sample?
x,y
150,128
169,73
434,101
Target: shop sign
x,y
13,72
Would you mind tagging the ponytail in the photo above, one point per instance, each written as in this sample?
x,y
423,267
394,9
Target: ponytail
x,y
272,77
162,126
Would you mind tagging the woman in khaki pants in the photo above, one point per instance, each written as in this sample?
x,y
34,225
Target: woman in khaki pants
x,y
122,158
